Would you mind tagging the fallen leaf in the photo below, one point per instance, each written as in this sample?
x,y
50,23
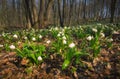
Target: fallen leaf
x,y
24,61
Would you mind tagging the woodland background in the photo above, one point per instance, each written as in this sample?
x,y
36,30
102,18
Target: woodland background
x,y
42,13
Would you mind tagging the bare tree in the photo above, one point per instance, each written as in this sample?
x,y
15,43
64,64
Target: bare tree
x,y
113,4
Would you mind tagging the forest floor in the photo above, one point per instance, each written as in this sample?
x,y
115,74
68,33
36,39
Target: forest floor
x,y
105,66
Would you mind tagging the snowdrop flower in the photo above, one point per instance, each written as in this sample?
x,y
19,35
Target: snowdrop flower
x,y
99,24
60,32
94,30
40,36
19,42
68,28
89,38
115,32
1,46
15,36
64,42
71,45
63,30
3,34
39,58
33,38
58,35
110,40
64,37
25,38
65,27
102,35
50,30
12,47
106,26
48,41
56,28
63,34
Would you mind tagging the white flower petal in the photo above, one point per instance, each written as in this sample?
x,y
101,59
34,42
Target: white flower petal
x,y
89,38
12,47
94,30
1,46
33,39
40,36
64,42
39,58
71,45
48,41
102,35
15,36
64,37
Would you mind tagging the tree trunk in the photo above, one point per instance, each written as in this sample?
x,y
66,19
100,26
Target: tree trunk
x,y
28,13
34,14
113,4
47,13
60,15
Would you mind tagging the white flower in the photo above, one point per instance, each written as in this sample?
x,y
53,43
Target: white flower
x,y
50,30
60,32
48,41
39,58
94,30
25,38
102,35
106,26
1,46
19,42
12,47
115,32
99,24
58,35
15,36
63,30
64,37
71,45
89,38
40,36
3,34
64,42
33,38
63,34
65,27
56,28
110,40
68,28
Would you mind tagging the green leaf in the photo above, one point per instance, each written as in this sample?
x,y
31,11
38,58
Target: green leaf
x,y
65,64
80,54
20,53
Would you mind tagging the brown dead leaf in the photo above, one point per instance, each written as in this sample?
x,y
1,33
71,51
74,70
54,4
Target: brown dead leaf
x,y
43,65
107,72
89,64
95,61
12,53
106,59
109,66
75,75
24,61
51,57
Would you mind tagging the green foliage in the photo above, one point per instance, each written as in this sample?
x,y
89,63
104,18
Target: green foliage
x,y
32,52
86,38
70,54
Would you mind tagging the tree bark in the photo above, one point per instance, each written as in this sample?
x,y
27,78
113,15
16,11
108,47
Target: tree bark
x,y
60,15
113,4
